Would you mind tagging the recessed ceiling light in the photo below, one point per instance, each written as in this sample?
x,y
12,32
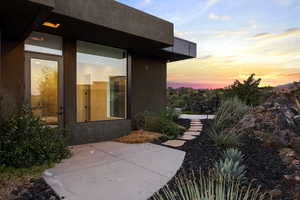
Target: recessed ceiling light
x,y
51,25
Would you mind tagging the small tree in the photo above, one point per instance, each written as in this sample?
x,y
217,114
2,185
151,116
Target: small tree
x,y
247,91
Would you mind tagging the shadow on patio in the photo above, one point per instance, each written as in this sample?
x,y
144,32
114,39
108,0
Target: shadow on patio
x,y
112,171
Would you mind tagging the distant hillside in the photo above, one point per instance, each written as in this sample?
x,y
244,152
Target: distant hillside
x,y
287,87
284,85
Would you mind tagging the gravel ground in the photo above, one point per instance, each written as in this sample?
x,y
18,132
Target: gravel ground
x,y
263,164
36,189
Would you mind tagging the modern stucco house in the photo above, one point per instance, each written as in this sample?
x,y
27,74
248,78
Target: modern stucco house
x,y
87,65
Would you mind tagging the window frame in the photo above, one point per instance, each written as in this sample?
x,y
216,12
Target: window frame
x,y
127,87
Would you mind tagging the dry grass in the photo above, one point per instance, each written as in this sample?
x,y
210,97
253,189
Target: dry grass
x,y
12,178
7,186
139,136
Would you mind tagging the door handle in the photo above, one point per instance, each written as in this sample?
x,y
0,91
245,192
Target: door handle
x,y
61,110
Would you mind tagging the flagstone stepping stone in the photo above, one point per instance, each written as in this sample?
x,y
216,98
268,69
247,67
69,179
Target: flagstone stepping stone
x,y
174,143
197,129
187,137
192,133
196,126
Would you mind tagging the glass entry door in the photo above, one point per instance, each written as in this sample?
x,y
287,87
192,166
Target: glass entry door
x,y
44,87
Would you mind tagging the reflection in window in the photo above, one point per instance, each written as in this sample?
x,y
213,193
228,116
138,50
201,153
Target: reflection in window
x,y
44,43
44,89
101,82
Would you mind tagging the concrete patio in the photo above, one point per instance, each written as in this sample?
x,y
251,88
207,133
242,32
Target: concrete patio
x,y
114,171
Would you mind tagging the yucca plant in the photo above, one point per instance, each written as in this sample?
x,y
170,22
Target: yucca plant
x,y
221,138
207,187
229,113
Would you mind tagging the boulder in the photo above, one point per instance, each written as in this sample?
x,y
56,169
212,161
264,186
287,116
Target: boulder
x,y
295,164
275,141
259,109
287,152
297,119
295,144
276,193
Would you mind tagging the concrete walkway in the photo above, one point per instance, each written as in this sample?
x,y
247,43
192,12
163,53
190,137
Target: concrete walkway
x,y
114,171
192,133
199,117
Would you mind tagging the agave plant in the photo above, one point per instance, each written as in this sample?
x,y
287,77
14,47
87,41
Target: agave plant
x,y
233,154
206,187
230,165
230,168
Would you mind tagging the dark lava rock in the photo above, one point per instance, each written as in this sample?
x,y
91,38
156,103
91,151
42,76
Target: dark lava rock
x,y
263,164
183,122
38,189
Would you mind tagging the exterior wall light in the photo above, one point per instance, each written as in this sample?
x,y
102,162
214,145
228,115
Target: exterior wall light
x,y
51,25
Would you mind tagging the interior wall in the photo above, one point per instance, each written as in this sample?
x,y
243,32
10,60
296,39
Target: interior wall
x,y
148,84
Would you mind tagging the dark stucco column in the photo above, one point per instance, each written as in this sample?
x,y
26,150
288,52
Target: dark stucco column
x,y
148,84
1,92
69,55
12,75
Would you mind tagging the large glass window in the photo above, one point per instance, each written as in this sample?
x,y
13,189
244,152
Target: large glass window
x,y
43,65
44,91
44,43
101,82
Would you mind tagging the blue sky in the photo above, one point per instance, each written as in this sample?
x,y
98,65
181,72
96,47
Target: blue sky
x,y
262,36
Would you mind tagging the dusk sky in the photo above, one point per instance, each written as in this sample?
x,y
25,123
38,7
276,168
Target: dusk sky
x,y
235,38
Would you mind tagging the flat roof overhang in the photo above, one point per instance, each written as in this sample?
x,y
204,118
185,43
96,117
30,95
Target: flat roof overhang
x,y
181,50
101,21
106,22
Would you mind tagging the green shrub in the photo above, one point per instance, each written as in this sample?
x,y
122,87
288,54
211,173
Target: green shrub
x,y
170,128
181,128
140,119
224,139
170,114
163,123
152,123
206,187
229,113
26,141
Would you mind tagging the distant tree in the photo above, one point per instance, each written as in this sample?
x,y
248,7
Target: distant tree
x,y
198,101
247,91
